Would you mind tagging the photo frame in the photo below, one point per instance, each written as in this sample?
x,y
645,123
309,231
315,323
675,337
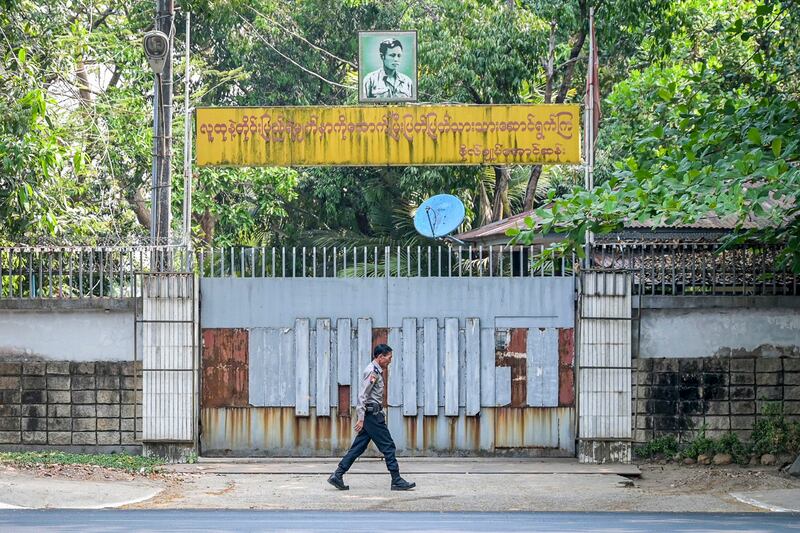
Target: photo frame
x,y
387,66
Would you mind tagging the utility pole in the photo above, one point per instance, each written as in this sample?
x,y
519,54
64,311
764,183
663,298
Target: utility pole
x,y
162,132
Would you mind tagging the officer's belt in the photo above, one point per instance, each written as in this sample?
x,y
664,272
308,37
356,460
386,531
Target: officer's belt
x,y
373,408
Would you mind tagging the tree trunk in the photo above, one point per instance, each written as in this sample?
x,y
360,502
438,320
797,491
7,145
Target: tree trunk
x,y
484,206
502,175
139,206
208,224
530,191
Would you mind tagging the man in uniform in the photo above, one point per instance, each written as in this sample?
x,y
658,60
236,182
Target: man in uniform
x,y
387,81
371,423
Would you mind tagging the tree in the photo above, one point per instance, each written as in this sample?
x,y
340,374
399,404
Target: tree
x,y
713,125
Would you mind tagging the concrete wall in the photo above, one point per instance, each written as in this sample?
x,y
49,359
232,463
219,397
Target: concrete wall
x,y
697,326
87,407
99,329
276,303
723,394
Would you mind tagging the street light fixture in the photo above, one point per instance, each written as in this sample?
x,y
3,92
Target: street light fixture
x,y
156,49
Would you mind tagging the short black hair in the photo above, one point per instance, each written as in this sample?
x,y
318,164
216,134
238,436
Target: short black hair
x,y
380,350
389,43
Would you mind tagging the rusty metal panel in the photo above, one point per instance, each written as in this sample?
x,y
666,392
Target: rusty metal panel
x,y
389,135
430,374
472,385
302,337
276,431
566,367
225,368
344,401
488,395
344,354
502,385
512,352
323,367
395,385
381,336
451,366
543,367
409,366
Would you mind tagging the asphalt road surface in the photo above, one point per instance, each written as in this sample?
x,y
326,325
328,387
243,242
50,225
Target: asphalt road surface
x,y
237,520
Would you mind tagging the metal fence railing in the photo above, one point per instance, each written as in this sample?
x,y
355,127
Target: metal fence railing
x,y
698,269
83,272
373,261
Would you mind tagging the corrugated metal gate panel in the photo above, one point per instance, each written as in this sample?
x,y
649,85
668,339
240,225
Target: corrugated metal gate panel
x,y
168,380
604,360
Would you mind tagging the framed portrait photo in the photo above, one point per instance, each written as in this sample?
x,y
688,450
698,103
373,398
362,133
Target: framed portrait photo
x,y
387,66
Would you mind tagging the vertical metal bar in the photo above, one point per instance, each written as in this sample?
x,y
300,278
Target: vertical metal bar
x,y
334,261
480,260
398,262
314,262
491,260
419,260
303,251
355,261
500,261
241,262
283,261
274,270
294,261
460,255
252,262
211,261
439,260
672,259
324,261
449,262
91,273
469,261
375,271
366,262
263,262
344,260
713,272
429,261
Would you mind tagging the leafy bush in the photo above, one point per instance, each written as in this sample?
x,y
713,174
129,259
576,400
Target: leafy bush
x,y
700,445
730,443
666,446
773,433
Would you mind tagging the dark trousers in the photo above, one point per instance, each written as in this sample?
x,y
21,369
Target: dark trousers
x,y
374,430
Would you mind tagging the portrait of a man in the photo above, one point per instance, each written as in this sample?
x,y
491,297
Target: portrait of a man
x,y
387,66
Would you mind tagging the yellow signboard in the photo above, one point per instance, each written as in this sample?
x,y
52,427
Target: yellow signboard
x,y
388,135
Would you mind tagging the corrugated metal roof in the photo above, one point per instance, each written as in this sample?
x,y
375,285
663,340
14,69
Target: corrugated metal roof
x,y
710,222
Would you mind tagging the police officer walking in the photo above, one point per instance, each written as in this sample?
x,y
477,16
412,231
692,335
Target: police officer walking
x,y
371,424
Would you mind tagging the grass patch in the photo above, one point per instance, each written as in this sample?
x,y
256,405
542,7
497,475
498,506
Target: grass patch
x,y
129,463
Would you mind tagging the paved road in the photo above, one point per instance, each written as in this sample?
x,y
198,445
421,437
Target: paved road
x,y
227,520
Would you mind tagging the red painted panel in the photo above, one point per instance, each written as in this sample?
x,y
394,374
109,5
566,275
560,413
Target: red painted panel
x,y
344,401
225,368
566,367
515,355
381,336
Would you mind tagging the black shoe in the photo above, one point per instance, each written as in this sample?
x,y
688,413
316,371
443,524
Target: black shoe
x,y
402,484
338,482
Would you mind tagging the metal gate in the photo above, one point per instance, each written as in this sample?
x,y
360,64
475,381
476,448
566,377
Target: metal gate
x,y
604,368
167,328
483,350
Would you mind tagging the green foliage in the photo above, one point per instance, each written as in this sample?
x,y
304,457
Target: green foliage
x,y
772,433
699,445
664,446
710,127
129,463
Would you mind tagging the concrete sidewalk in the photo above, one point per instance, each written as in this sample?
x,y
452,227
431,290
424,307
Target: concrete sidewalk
x,y
408,465
443,484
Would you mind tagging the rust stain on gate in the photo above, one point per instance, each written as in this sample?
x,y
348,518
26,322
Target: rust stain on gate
x,y
225,368
381,336
566,367
515,355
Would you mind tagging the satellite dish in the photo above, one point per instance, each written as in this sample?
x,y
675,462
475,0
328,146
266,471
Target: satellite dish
x,y
439,215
